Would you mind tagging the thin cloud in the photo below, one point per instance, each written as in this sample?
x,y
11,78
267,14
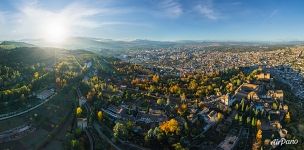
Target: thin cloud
x,y
120,23
171,8
1,17
206,9
31,20
1,21
273,13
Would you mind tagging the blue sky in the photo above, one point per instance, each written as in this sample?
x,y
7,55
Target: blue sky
x,y
235,20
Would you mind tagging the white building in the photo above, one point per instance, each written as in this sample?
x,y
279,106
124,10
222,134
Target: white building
x,y
82,123
45,94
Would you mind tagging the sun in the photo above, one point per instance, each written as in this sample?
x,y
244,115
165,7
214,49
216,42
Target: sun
x,y
56,31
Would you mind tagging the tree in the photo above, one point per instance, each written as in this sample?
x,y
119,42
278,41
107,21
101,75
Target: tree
x,y
287,117
178,146
158,133
219,116
258,124
148,136
248,120
174,89
78,111
253,123
259,136
170,126
89,96
74,144
155,78
100,115
183,97
243,104
247,108
285,107
236,107
193,85
236,117
274,106
256,112
182,109
160,101
240,119
36,75
120,131
58,82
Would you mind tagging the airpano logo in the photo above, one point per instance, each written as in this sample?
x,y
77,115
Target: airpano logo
x,y
282,141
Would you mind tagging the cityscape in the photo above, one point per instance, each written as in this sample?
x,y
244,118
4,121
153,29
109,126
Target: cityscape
x,y
151,75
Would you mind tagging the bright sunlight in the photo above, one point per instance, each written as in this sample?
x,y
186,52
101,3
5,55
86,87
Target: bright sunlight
x,y
56,31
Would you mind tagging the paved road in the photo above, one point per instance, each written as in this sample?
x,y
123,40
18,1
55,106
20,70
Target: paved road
x,y
90,139
97,128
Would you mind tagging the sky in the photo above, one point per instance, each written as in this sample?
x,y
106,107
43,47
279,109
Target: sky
x,y
164,20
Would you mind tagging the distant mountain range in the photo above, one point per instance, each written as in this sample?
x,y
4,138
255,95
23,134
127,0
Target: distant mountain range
x,y
14,44
97,44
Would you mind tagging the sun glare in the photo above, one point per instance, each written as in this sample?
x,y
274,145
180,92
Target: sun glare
x,y
56,32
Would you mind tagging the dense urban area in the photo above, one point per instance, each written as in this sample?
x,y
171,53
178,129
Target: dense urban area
x,y
182,97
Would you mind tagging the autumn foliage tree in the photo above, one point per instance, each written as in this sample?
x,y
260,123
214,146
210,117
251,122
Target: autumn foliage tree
x,y
170,126
287,117
36,75
258,124
182,109
259,135
99,115
155,78
78,111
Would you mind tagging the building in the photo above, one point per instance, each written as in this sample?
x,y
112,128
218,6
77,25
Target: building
x,y
82,123
253,96
263,76
113,112
228,144
245,91
227,99
45,94
82,100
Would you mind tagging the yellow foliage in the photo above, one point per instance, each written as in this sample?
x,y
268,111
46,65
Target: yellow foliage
x,y
181,110
184,106
170,126
78,110
287,117
183,97
100,115
193,85
36,75
155,78
135,81
258,123
174,89
219,116
259,135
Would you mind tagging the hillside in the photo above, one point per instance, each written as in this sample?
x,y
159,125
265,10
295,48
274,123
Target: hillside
x,y
14,44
